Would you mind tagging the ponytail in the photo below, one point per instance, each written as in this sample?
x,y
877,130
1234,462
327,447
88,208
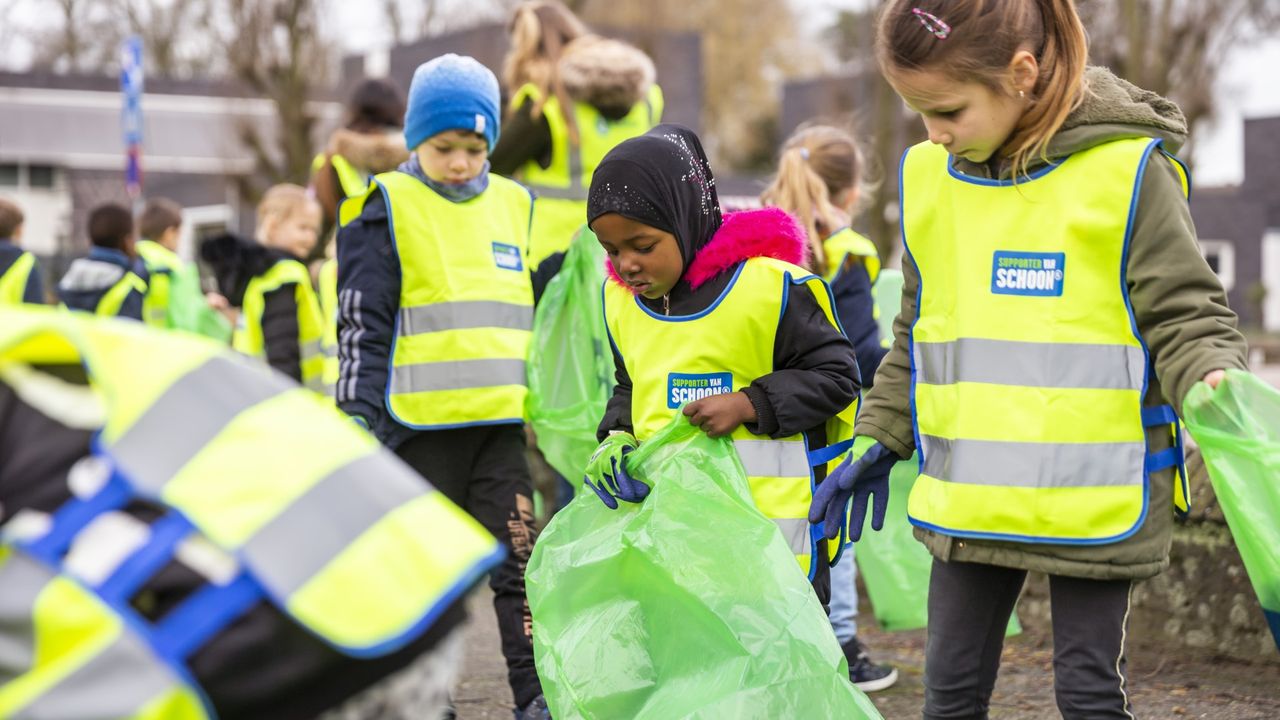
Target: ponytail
x,y
798,190
1060,87
818,163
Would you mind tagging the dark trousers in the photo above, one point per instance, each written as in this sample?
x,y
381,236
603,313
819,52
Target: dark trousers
x,y
969,608
483,470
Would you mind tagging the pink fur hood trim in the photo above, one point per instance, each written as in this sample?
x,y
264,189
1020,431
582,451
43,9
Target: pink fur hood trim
x,y
768,232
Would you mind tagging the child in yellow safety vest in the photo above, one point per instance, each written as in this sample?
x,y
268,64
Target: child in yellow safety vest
x,y
716,317
574,96
279,319
105,283
435,309
817,181
20,280
1055,312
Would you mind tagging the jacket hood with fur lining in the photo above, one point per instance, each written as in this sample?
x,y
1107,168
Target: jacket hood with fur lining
x,y
608,74
768,232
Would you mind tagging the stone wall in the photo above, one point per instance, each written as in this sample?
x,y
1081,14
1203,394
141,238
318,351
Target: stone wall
x,y
1203,601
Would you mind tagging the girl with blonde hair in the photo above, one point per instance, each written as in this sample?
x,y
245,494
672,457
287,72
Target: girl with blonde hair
x,y
1055,312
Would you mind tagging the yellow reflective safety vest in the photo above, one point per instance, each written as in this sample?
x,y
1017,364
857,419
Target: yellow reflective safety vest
x,y
352,181
845,242
675,360
329,310
561,187
262,469
248,337
466,302
161,263
13,283
1028,372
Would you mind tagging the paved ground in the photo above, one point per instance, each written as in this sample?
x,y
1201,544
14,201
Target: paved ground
x,y
1163,686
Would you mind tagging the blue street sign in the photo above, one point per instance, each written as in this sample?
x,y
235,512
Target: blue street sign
x,y
131,88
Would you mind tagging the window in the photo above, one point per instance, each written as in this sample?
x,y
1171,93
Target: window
x,y
1221,256
40,176
8,175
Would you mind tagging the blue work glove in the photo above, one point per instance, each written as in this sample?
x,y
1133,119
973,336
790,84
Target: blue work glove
x,y
858,478
607,467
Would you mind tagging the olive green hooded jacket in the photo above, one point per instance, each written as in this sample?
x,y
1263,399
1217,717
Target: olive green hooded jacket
x,y
1181,312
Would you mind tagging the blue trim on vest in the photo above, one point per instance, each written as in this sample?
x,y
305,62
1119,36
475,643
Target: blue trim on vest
x,y
203,615
1185,170
995,182
137,625
1133,324
911,334
74,515
1133,318
704,312
1158,415
822,456
395,336
140,567
815,534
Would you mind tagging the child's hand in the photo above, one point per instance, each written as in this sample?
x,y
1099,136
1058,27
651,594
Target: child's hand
x,y
719,415
1214,377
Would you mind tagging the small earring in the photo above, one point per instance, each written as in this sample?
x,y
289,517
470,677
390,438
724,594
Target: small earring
x,y
1022,95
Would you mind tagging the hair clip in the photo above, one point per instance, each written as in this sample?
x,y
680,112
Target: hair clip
x,y
932,23
804,153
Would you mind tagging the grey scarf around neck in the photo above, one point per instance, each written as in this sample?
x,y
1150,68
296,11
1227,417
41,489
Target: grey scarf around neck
x,y
453,192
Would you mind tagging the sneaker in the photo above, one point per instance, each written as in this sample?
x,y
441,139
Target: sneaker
x,y
864,674
535,710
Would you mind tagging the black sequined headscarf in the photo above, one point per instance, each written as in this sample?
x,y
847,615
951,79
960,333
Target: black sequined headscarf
x,y
661,179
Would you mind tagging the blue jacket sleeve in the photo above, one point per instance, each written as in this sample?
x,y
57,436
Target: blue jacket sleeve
x,y
132,306
855,307
34,292
368,302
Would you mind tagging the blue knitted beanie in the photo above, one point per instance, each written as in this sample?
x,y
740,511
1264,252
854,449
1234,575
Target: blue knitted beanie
x,y
451,92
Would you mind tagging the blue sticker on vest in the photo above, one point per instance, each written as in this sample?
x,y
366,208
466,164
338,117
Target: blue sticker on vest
x,y
1028,273
507,257
683,388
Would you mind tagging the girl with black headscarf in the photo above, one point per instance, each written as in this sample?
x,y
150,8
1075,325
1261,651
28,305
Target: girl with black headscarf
x,y
704,298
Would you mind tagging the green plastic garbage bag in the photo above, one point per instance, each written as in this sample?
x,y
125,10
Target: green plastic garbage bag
x,y
895,566
688,605
570,365
888,299
1237,427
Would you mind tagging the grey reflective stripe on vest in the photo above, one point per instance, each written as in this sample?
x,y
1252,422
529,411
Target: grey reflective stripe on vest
x,y
187,417
554,193
773,458
456,375
317,526
22,578
311,349
1030,364
796,533
115,683
462,315
1021,464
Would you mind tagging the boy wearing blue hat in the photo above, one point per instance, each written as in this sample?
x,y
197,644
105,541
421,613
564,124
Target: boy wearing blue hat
x,y
435,312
